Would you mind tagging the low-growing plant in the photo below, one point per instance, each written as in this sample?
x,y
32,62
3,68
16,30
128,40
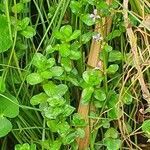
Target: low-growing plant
x,y
74,74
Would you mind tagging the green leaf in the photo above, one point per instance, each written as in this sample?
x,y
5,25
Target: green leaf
x,y
75,7
108,48
51,10
98,145
5,37
112,69
20,48
2,85
87,19
111,133
39,61
53,90
112,144
56,144
63,128
28,32
50,63
98,104
5,126
99,94
113,34
50,89
127,97
146,126
9,106
39,98
61,89
133,21
112,99
18,8
114,5
74,145
49,49
75,46
47,74
66,31
75,35
128,128
92,77
53,112
58,35
66,63
34,78
68,110
80,133
75,55
23,23
86,37
115,113
103,8
57,71
25,146
32,147
69,138
87,94
64,49
102,5
106,123
122,27
129,59
78,121
56,101
52,124
73,79
115,56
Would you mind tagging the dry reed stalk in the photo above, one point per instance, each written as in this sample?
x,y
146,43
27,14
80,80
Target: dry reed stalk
x,y
134,49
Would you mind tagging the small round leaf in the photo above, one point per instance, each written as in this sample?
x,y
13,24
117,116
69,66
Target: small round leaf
x,y
9,106
146,126
5,126
34,78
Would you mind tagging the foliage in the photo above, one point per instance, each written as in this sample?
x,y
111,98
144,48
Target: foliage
x,y
45,74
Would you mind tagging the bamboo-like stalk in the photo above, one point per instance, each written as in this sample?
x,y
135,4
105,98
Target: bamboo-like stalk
x,y
83,109
94,50
93,61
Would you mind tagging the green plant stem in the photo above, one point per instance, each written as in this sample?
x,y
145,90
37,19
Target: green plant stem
x,y
136,7
105,59
43,133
